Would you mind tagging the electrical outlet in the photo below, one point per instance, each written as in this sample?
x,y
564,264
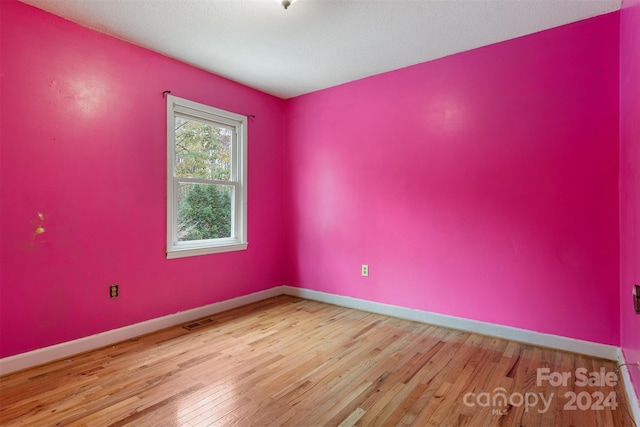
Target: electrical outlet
x,y
365,270
113,291
636,298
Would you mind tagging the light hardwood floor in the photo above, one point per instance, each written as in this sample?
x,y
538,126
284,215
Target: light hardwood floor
x,y
289,361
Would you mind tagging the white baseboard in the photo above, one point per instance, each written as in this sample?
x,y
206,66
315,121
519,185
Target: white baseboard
x,y
500,331
66,349
604,351
59,351
632,397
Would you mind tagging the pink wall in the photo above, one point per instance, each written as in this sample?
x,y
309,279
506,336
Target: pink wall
x,y
483,185
630,180
83,141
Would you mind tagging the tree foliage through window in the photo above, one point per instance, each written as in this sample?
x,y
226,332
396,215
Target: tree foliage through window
x,y
203,151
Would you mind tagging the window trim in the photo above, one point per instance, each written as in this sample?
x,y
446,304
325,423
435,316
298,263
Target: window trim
x,y
238,239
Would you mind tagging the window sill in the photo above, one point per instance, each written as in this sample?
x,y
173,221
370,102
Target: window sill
x,y
195,251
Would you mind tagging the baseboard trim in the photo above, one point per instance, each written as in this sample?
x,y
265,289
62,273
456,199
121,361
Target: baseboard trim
x,y
62,350
603,351
69,348
632,397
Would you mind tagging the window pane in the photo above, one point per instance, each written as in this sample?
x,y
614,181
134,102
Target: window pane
x,y
204,211
203,150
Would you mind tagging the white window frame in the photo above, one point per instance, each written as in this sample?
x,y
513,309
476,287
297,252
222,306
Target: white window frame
x,y
238,180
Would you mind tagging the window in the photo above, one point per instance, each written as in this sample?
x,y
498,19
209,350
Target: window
x,y
206,179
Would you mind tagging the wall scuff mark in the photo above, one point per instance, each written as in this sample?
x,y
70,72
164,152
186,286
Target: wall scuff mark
x,y
40,225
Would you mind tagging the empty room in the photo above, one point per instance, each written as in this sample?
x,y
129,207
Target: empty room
x,y
320,212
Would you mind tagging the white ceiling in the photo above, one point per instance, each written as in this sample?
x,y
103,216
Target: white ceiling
x,y
316,44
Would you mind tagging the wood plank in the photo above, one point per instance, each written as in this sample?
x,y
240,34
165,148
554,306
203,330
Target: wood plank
x,y
289,361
